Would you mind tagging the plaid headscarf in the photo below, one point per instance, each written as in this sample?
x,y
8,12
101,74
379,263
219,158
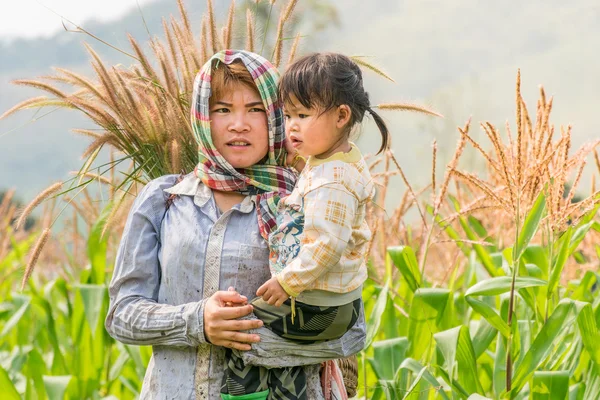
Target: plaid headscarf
x,y
268,180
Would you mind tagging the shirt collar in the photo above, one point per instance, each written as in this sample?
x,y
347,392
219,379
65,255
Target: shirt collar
x,y
191,185
352,156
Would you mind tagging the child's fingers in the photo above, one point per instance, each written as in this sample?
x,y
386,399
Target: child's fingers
x,y
261,290
267,296
280,301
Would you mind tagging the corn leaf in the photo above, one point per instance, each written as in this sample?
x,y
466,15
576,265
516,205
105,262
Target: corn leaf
x,y
404,258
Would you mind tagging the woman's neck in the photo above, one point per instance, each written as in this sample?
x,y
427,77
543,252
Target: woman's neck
x,y
226,200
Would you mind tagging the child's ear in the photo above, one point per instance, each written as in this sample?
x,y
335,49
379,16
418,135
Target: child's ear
x,y
344,114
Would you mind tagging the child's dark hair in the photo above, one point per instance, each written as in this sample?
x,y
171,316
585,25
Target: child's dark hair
x,y
326,81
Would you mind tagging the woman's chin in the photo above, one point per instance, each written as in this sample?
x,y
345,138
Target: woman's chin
x,y
240,163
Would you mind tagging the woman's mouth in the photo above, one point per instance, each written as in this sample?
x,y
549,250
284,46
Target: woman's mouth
x,y
238,144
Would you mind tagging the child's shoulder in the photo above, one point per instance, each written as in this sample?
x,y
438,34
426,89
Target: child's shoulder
x,y
355,176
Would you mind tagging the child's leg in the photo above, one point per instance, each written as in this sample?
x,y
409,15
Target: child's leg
x,y
287,383
272,351
248,382
310,323
243,382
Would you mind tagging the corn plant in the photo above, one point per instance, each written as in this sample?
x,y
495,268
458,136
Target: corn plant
x,y
504,322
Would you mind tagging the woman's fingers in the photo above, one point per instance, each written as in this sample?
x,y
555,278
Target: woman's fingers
x,y
233,312
237,325
233,339
229,296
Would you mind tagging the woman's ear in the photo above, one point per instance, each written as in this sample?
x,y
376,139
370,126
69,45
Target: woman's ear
x,y
343,113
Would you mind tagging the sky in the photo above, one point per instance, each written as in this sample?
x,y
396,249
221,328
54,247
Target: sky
x,y
35,18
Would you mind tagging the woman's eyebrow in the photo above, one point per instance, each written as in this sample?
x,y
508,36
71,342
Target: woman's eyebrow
x,y
254,104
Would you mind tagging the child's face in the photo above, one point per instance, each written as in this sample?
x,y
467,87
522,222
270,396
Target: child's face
x,y
238,126
313,133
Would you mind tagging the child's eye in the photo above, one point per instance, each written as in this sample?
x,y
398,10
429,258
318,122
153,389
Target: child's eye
x,y
286,116
302,116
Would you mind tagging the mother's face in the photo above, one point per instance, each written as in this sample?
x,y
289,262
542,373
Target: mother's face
x,y
238,125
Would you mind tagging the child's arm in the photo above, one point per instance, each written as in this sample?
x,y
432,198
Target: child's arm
x,y
329,212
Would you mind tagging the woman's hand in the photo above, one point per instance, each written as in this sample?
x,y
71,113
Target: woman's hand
x,y
221,326
272,292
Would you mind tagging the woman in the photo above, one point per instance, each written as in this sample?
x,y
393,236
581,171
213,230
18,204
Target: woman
x,y
174,266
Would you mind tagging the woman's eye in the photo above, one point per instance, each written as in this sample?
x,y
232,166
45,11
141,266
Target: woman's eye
x,y
221,110
257,109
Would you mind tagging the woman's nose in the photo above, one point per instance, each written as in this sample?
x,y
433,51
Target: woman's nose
x,y
239,123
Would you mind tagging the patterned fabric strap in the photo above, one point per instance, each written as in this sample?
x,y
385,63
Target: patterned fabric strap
x,y
271,179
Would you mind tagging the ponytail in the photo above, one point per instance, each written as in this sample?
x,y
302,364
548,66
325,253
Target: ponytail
x,y
383,129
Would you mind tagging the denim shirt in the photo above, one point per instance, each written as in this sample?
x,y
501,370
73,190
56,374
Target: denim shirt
x,y
169,263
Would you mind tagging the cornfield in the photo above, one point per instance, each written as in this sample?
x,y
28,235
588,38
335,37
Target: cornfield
x,y
490,293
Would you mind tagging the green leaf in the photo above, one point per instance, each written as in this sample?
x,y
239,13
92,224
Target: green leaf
x,y
499,377
375,320
502,284
456,346
417,368
476,396
14,320
579,234
404,258
93,299
490,315
412,390
483,337
452,234
387,356
9,392
530,225
56,386
538,255
550,385
482,253
427,308
563,316
97,246
561,259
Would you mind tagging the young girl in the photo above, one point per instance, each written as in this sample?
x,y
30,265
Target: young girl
x,y
318,246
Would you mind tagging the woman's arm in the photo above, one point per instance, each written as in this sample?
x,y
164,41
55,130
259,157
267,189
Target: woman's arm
x,y
136,317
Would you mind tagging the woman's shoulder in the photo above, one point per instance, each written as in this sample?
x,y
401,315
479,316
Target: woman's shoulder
x,y
151,200
156,187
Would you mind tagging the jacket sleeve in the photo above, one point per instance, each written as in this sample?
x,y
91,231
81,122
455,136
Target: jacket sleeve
x,y
135,316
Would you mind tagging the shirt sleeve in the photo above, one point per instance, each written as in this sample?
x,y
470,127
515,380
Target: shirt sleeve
x,y
135,316
329,212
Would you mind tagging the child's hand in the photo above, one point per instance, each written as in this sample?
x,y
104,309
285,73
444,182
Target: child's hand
x,y
293,159
272,292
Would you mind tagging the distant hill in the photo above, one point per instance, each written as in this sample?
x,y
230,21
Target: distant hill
x,y
460,57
